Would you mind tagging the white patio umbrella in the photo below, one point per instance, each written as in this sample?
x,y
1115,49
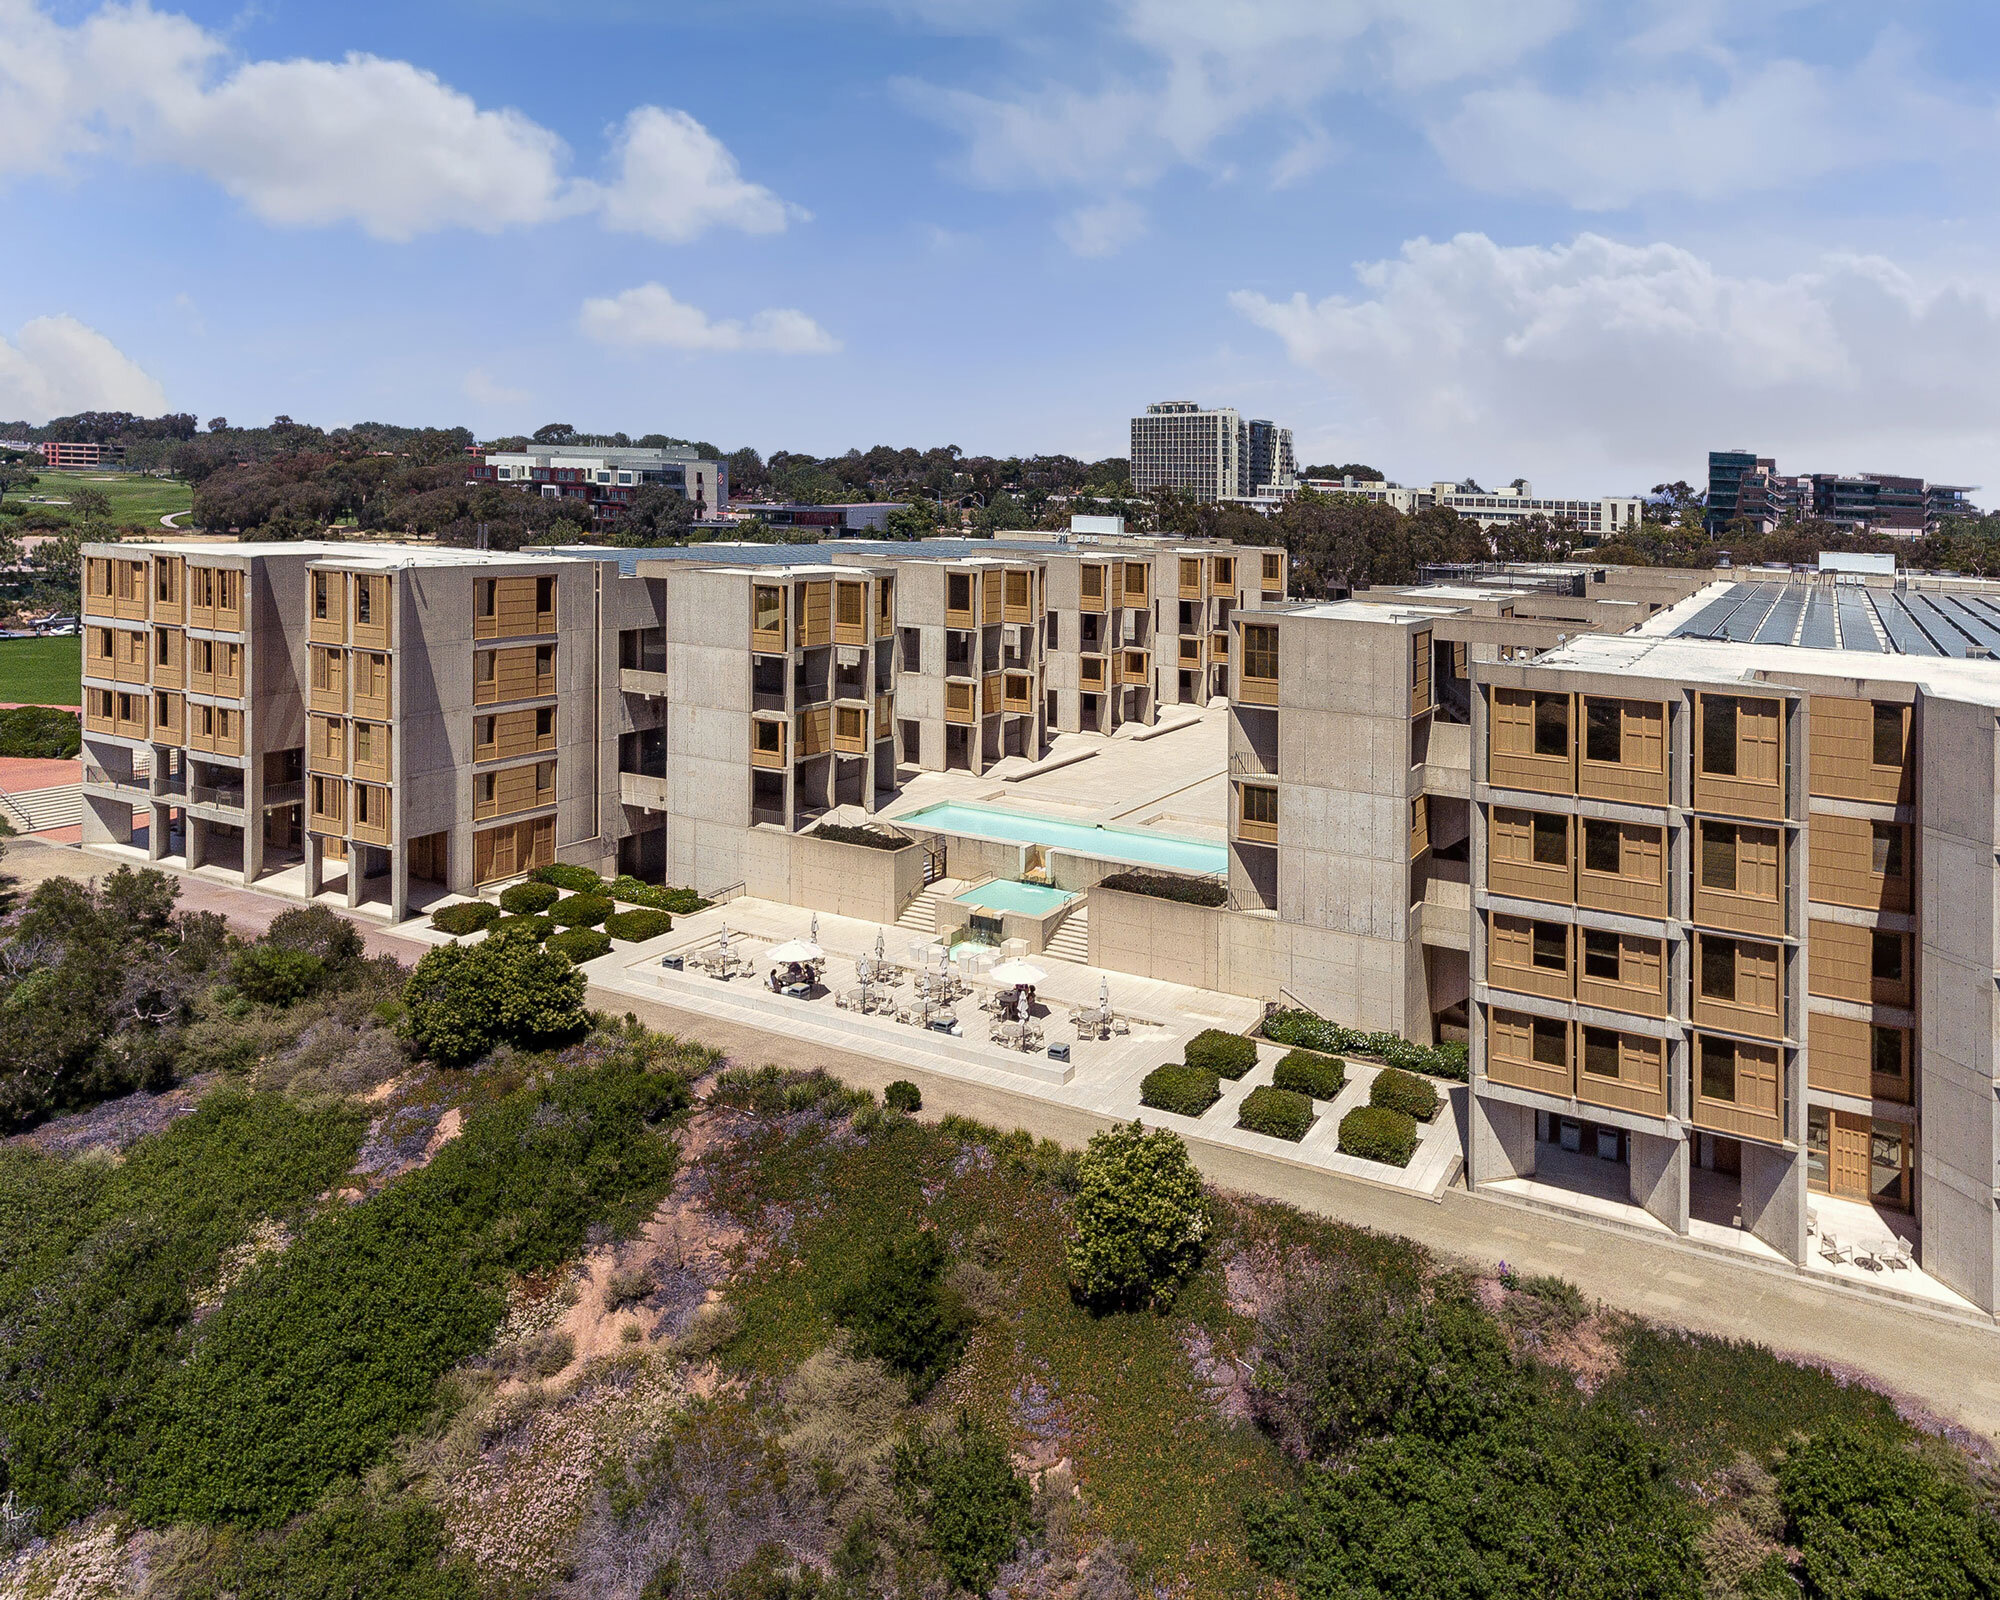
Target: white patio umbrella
x,y
1104,992
793,950
814,933
1017,973
880,947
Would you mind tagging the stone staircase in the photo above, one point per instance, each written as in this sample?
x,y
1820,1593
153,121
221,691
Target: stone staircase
x,y
1071,941
36,810
920,915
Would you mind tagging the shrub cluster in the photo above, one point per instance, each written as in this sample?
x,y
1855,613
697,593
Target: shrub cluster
x,y
1376,1133
963,1489
574,880
535,928
1311,1032
1142,1221
580,945
40,732
1309,1073
581,911
903,1095
467,916
1169,886
525,899
631,891
1227,1055
464,999
1404,1091
903,1313
872,838
1186,1091
1281,1113
636,927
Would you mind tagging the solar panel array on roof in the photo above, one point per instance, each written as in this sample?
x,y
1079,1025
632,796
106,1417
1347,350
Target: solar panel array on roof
x,y
1857,622
1916,622
1816,632
1782,622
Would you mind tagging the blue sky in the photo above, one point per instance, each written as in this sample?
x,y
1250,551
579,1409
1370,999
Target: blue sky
x,y
1578,242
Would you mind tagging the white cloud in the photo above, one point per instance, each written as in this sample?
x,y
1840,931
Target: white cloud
x,y
1308,153
482,388
382,144
650,315
1102,230
56,366
1632,362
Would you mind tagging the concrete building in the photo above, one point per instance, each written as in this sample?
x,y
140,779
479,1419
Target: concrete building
x,y
1748,487
70,457
823,522
601,480
1602,518
1210,455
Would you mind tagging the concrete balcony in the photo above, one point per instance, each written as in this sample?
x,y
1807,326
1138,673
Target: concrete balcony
x,y
1444,905
640,789
651,684
219,797
285,794
130,783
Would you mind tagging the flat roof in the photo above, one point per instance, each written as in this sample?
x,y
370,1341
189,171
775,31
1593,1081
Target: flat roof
x,y
1701,660
1961,624
358,553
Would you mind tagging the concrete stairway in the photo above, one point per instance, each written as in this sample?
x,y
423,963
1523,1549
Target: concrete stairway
x,y
920,915
1071,941
36,810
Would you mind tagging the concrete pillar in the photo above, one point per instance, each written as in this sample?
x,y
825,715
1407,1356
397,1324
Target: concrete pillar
x,y
197,839
158,826
315,866
1660,1177
1502,1142
253,822
1774,1198
106,821
354,873
399,884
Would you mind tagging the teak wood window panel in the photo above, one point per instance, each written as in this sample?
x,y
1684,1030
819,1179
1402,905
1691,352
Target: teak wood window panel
x,y
1529,744
813,731
509,789
1020,596
506,608
1529,957
169,718
816,613
1854,861
1739,985
371,814
990,591
215,729
767,617
1135,585
1867,1060
327,679
885,607
850,730
1739,762
372,757
371,684
1133,668
850,612
1090,586
97,601
169,658
1222,572
1274,572
1017,692
130,583
1190,578
326,616
1627,1071
215,598
1257,813
1864,966
169,589
1420,672
326,744
513,848
1621,972
767,743
1529,1052
131,717
1091,672
505,734
1736,1088
1739,877
524,672
959,702
1420,825
1622,867
958,595
1528,855
1623,753
1861,750
1258,681
371,622
329,804
97,710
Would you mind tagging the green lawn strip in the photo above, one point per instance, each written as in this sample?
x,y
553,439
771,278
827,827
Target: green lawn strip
x,y
41,672
135,497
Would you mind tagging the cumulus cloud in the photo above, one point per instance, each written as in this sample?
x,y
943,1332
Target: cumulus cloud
x,y
650,315
1102,230
1634,361
382,144
56,366
482,388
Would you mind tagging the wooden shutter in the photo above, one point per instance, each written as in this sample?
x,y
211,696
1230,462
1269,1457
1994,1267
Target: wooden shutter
x,y
1757,863
1758,725
1643,744
1514,721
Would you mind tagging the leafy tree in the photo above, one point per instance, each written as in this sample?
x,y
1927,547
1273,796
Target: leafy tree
x,y
920,519
56,566
461,1001
346,1548
554,433
901,1311
276,977
1141,1218
316,931
94,505
656,514
964,1491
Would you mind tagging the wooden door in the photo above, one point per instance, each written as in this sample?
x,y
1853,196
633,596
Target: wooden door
x,y
1847,1155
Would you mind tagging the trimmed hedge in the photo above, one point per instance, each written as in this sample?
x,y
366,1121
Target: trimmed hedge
x,y
525,899
577,880
1227,1055
581,911
903,1095
536,928
1308,1073
1312,1032
839,833
632,891
580,945
638,926
1281,1113
1185,1090
1405,1092
1169,886
468,916
1377,1133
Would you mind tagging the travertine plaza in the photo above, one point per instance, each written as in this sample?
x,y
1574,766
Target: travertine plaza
x,y
1703,869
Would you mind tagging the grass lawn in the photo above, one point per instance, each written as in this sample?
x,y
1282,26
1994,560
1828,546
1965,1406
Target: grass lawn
x,y
42,672
135,498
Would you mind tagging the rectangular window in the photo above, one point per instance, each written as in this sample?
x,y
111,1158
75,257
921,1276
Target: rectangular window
x,y
1718,968
1886,1057
1551,840
1600,1052
1551,1043
319,597
1260,805
958,592
488,601
1718,736
545,659
1551,725
1718,856
1718,1069
1600,955
1551,940
545,594
1886,957
1600,846
770,737
1603,733
484,669
545,722
1260,652
1888,852
768,608
1888,736
482,731
364,600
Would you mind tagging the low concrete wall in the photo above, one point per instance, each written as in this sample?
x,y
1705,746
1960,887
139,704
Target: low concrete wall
x,y
845,880
1205,947
1035,929
1073,870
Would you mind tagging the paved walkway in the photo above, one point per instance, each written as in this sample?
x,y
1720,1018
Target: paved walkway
x,y
1948,1364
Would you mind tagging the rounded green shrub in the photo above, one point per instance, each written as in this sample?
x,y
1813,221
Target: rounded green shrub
x,y
580,911
1142,1220
1404,1092
1281,1113
1377,1133
577,880
525,899
903,1095
1309,1073
638,926
536,928
580,945
1185,1090
631,891
1227,1055
468,916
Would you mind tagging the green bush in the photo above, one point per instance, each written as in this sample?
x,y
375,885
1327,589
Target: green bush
x,y
575,880
467,916
903,1313
535,929
1872,1518
1310,1032
581,911
464,999
1227,1055
1309,1073
40,733
1141,1218
1281,1113
904,1096
580,945
274,977
636,927
525,899
317,931
310,1368
632,891
1168,886
346,1548
1404,1091
871,838
963,1491
1378,1133
1186,1091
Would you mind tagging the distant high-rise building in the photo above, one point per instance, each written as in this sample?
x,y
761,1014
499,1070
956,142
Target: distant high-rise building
x,y
1177,445
1747,487
1270,467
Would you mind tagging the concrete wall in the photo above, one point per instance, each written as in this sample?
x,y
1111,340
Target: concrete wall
x,y
854,880
1205,947
709,843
